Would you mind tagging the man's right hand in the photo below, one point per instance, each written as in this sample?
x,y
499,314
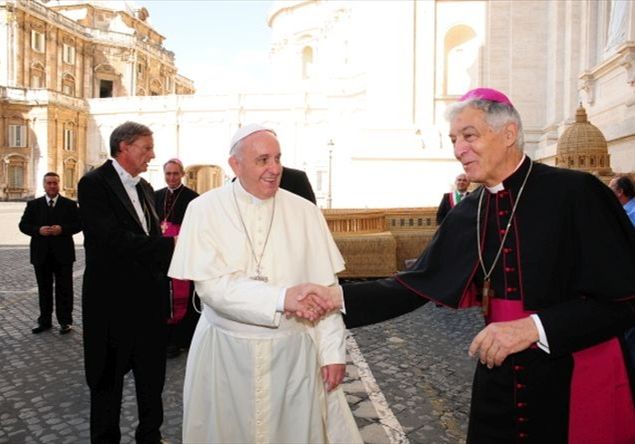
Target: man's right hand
x,y
311,301
45,230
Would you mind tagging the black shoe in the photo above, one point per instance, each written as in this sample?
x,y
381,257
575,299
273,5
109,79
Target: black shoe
x,y
40,329
172,351
66,328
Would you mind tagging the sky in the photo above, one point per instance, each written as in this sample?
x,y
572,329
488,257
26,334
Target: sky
x,y
221,45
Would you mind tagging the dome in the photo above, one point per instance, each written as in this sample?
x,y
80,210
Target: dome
x,y
582,146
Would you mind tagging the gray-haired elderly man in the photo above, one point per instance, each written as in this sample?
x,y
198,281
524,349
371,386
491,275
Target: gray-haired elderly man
x,y
255,374
550,258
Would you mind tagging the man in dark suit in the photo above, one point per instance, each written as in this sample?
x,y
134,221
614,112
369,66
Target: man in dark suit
x,y
51,221
449,200
296,181
171,203
125,291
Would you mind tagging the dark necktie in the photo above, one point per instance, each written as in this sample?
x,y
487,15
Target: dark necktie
x,y
49,212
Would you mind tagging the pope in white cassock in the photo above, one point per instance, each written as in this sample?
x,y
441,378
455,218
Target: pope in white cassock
x,y
254,373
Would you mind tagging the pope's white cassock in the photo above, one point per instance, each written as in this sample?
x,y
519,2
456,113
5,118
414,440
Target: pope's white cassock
x,y
253,375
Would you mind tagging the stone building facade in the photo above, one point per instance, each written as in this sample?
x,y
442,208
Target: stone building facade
x,y
361,88
56,55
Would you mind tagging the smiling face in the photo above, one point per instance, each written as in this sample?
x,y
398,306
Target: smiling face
x,y
257,164
134,157
488,156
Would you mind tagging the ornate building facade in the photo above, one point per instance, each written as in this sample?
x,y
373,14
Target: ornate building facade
x,y
56,55
361,88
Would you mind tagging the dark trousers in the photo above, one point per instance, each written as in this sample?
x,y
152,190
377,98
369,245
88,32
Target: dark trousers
x,y
48,273
147,362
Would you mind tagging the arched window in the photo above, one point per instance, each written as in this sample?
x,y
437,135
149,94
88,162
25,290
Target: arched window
x,y
37,77
70,174
16,171
68,85
307,62
460,67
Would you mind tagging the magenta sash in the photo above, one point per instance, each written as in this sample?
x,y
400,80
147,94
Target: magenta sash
x,y
180,288
601,404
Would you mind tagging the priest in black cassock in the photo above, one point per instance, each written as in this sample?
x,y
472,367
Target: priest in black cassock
x,y
171,203
549,257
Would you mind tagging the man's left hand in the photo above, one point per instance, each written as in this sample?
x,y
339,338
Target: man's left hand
x,y
333,374
56,230
500,339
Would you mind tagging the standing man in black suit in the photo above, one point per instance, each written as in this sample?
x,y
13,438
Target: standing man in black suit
x,y
125,291
51,221
171,203
296,181
449,200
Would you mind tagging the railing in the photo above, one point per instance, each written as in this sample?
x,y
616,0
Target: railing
x,y
40,97
48,14
355,221
352,221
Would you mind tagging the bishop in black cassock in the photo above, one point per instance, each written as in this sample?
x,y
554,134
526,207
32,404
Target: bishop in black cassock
x,y
559,254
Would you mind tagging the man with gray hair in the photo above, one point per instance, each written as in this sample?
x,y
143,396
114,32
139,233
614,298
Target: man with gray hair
x,y
125,291
254,372
549,255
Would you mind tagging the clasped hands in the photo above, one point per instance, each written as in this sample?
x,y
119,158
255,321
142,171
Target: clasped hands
x,y
53,230
311,301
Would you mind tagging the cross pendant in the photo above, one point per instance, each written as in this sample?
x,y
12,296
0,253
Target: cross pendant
x,y
257,277
487,294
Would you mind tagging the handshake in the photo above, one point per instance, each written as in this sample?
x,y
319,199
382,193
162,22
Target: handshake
x,y
312,301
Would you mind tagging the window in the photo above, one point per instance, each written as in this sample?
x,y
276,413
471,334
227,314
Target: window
x,y
69,139
69,176
461,64
105,88
307,62
17,136
36,80
68,85
37,41
68,89
68,54
16,173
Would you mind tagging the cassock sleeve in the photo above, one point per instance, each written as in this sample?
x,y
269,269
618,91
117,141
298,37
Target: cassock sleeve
x,y
602,305
369,302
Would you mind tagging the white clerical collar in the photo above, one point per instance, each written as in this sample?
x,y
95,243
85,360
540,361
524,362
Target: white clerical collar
x,y
125,176
174,189
500,187
243,193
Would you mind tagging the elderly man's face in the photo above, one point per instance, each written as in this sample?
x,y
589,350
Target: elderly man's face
x,y
481,150
173,175
136,156
257,165
462,183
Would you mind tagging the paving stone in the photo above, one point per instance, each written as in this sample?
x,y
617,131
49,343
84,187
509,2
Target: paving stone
x,y
418,363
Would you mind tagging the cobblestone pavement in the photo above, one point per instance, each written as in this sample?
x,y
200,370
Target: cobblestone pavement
x,y
407,379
